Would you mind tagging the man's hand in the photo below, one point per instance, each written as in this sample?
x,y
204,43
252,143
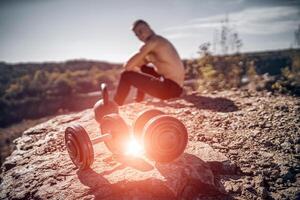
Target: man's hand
x,y
135,69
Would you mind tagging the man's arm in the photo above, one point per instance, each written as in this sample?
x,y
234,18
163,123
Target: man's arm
x,y
138,59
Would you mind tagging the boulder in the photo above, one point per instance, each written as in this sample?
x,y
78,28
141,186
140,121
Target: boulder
x,y
40,168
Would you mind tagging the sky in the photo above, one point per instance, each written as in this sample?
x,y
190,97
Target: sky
x,y
59,30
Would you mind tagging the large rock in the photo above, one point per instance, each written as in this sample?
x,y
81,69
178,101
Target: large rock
x,y
40,168
258,131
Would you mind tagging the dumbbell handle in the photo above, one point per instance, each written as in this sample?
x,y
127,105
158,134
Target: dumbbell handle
x,y
101,138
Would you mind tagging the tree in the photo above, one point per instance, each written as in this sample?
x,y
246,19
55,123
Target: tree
x,y
225,31
297,36
236,43
63,86
204,49
39,83
227,38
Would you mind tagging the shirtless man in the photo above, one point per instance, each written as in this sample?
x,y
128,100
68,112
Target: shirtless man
x,y
163,80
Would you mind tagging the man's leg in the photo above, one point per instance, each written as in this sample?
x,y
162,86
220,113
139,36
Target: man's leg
x,y
146,83
147,70
150,70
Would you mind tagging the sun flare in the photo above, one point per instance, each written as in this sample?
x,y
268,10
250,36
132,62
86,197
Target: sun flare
x,y
133,148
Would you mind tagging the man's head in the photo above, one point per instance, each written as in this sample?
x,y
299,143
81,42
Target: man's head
x,y
142,30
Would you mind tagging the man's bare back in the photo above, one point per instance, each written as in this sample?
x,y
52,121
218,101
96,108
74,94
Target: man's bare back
x,y
158,51
165,59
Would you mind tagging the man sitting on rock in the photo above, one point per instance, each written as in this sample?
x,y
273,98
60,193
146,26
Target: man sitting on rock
x,y
164,79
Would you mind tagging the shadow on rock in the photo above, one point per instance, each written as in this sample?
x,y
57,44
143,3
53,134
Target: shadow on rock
x,y
218,104
188,177
118,167
99,186
191,177
91,178
135,162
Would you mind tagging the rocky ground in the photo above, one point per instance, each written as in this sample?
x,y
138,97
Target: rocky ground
x,y
8,134
242,145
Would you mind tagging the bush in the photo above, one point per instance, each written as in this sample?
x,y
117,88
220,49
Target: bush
x,y
289,81
14,90
218,73
84,86
63,86
234,71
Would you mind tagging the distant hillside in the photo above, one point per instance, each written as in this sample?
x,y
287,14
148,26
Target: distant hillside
x,y
264,62
272,61
11,72
33,90
276,71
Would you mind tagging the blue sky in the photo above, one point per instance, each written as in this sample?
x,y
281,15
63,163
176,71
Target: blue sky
x,y
58,30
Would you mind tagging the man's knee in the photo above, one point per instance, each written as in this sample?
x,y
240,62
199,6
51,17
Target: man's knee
x,y
127,74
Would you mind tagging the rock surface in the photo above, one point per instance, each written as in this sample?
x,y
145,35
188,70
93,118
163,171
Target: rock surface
x,y
242,145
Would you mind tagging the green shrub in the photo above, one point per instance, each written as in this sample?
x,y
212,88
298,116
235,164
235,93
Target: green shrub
x,y
63,86
218,73
289,81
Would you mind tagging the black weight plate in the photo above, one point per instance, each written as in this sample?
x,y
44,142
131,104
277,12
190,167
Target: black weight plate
x,y
114,124
79,146
165,138
141,120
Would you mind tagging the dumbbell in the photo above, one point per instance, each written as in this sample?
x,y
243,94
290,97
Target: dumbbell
x,y
163,137
114,133
104,106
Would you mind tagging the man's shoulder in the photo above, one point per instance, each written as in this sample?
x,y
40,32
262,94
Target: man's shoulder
x,y
161,38
158,39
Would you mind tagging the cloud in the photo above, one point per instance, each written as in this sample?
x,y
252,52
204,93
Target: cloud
x,y
181,35
254,21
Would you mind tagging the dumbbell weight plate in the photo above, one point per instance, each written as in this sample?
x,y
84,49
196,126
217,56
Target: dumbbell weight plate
x,y
142,119
164,138
79,146
115,125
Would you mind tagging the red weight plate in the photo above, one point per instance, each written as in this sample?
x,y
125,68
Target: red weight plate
x,y
165,138
114,124
141,120
79,146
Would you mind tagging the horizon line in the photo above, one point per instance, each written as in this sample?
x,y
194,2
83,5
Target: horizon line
x,y
114,62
